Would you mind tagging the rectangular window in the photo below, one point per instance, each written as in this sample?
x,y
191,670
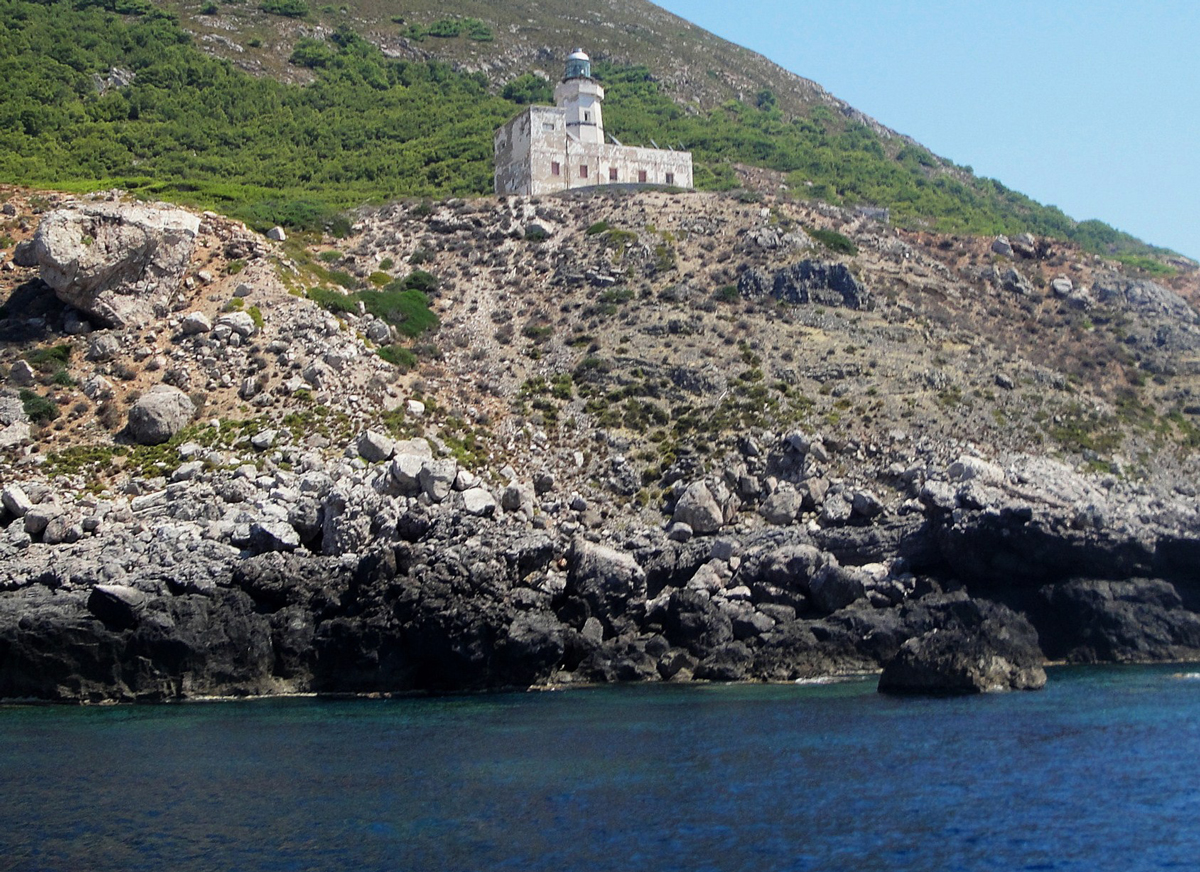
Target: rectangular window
x,y
555,169
583,171
587,116
670,178
612,174
547,125
642,177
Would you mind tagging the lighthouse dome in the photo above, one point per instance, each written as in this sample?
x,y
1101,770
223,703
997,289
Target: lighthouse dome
x,y
579,65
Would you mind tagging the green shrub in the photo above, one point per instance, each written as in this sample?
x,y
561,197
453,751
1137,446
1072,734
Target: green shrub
x,y
286,8
50,359
408,310
727,294
379,278
536,332
39,409
834,241
398,356
598,228
333,301
419,280
343,278
256,316
448,28
528,89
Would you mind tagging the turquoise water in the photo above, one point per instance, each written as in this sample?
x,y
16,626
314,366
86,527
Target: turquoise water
x,y
1097,772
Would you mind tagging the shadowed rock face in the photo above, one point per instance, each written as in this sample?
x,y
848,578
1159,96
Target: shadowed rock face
x,y
979,647
119,263
826,284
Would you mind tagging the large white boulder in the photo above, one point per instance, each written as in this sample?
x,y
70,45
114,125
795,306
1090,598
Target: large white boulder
x,y
121,263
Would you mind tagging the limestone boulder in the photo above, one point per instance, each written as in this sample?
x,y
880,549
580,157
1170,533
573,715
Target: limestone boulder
x,y
479,502
375,447
158,415
120,263
196,322
699,509
25,254
117,605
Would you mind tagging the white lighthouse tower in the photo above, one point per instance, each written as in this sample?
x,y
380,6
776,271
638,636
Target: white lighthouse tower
x,y
580,96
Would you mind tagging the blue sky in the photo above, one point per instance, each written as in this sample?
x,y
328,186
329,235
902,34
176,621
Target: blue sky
x,y
1093,107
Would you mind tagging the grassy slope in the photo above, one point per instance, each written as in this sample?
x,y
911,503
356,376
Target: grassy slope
x,y
198,129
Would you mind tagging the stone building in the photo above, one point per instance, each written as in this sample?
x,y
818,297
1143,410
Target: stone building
x,y
554,148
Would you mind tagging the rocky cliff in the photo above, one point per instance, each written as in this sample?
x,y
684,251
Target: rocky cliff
x,y
655,437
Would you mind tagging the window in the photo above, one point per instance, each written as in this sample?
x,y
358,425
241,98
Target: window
x,y
587,116
583,171
612,174
642,177
555,169
547,125
670,178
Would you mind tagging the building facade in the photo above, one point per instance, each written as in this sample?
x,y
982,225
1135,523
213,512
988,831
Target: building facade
x,y
555,148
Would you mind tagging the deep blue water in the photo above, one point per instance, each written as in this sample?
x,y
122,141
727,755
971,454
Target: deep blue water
x,y
1097,772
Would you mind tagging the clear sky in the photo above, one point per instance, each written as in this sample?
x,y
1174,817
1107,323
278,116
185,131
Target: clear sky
x,y
1089,105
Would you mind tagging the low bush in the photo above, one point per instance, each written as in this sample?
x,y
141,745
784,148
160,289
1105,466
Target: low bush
x,y
834,241
38,409
286,8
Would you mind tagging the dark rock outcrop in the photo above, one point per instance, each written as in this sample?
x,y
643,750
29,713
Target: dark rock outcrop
x,y
809,281
1139,620
978,647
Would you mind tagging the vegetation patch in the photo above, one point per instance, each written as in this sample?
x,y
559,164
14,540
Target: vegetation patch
x,y
834,241
402,303
286,8
50,359
448,28
38,409
398,356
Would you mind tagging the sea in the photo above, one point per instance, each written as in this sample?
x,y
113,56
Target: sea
x,y
1099,771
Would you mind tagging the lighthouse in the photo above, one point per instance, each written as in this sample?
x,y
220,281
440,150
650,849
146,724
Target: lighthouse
x,y
580,97
547,149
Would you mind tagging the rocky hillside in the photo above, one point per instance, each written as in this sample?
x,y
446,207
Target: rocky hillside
x,y
607,436
519,37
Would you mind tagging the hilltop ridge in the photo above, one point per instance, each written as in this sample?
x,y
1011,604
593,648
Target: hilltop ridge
x,y
394,108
